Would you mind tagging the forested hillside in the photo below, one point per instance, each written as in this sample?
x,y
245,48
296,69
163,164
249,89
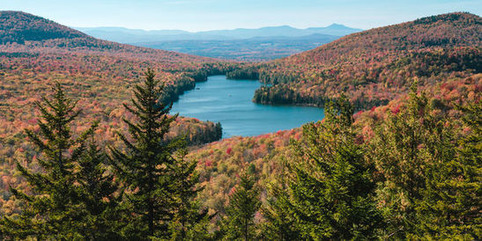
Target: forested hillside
x,y
376,66
99,156
23,32
35,53
17,27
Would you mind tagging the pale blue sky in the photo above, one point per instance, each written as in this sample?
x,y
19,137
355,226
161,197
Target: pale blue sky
x,y
196,15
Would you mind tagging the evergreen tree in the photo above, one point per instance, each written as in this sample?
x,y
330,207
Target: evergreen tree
x,y
450,205
158,185
331,190
466,218
189,222
100,194
279,224
53,211
243,205
425,185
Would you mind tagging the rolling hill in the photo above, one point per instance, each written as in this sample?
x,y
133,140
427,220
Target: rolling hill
x,y
35,51
375,66
19,27
23,32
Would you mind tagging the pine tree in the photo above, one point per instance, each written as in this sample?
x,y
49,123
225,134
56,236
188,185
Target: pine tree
x,y
189,222
331,189
450,205
157,186
53,211
413,150
100,194
466,217
279,224
243,205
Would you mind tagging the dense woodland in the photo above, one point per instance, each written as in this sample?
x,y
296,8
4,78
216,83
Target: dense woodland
x,y
375,66
89,150
100,80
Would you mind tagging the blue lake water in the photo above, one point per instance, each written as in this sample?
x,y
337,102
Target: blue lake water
x,y
229,102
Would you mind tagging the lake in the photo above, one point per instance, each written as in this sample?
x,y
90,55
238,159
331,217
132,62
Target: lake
x,y
229,102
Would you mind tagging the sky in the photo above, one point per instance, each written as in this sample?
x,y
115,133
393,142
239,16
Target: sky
x,y
201,15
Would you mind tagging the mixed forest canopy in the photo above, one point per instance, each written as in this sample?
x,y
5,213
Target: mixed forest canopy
x,y
376,66
89,150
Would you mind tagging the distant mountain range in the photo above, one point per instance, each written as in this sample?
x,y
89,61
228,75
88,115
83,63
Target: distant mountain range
x,y
239,44
125,35
253,49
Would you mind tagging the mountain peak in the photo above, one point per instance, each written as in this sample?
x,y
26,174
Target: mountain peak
x,y
445,30
336,25
449,17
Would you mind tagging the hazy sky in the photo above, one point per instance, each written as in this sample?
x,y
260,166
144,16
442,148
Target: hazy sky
x,y
196,15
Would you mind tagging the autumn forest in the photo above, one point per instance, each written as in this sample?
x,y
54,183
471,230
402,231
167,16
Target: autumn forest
x,y
90,149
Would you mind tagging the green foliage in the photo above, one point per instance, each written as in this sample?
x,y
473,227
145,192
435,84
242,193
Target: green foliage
x,y
159,184
54,211
406,149
243,204
244,73
429,188
450,207
100,195
331,189
279,223
193,231
189,222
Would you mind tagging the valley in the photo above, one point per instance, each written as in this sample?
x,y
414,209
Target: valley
x,y
374,135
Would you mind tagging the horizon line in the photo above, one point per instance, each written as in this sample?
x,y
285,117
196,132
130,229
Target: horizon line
x,y
226,29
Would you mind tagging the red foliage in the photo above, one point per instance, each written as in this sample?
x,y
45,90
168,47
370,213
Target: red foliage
x,y
395,110
378,65
233,190
32,121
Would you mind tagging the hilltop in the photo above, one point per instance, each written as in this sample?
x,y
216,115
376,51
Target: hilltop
x,y
24,32
18,27
375,66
